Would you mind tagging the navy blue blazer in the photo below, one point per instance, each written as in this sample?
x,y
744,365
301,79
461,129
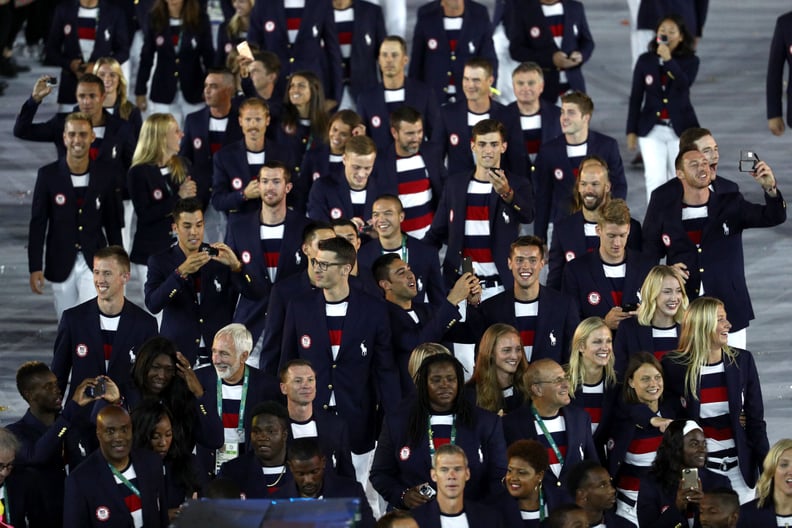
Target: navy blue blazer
x,y
551,120
428,515
367,35
569,241
693,13
117,146
333,437
752,515
112,39
432,155
329,198
424,263
448,225
611,395
520,425
243,237
92,498
79,345
718,262
316,47
531,39
261,387
432,60
455,136
25,500
373,110
657,505
648,98
231,174
398,465
185,319
780,53
745,397
555,178
183,69
225,42
196,147
154,196
66,228
315,164
585,281
364,372
245,470
555,324
334,486
631,339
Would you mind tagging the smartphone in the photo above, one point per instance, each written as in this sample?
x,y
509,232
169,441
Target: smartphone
x,y
243,48
52,81
629,307
690,478
467,265
206,248
748,160
97,391
426,490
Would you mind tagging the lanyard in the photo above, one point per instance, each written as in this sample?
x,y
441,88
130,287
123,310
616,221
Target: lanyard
x,y
547,435
404,251
6,514
431,436
240,421
541,504
123,479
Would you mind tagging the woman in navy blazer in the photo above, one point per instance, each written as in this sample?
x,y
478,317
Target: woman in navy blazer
x,y
303,122
438,415
660,108
232,32
656,328
773,504
719,386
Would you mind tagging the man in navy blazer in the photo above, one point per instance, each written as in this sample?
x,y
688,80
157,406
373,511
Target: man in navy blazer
x,y
450,472
567,427
195,285
313,45
606,283
709,250
438,55
545,318
268,244
533,37
559,160
780,54
458,119
375,104
236,388
361,28
345,335
506,200
66,42
116,486
576,234
100,336
74,213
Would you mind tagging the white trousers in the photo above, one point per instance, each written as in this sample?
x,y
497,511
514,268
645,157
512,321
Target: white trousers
x,y
76,289
659,149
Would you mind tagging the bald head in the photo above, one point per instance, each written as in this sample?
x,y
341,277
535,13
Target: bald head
x,y
114,432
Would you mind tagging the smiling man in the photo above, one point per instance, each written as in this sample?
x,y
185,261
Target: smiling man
x,y
564,430
116,486
100,336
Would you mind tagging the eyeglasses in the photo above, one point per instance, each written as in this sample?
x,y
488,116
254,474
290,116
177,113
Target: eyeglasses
x,y
322,265
558,381
7,467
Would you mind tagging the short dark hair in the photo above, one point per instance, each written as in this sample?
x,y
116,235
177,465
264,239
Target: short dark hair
x,y
186,205
304,448
727,497
270,60
297,362
488,126
271,408
116,253
679,161
389,519
558,515
398,40
582,100
404,114
275,164
228,77
579,474
381,267
391,197
344,222
90,78
527,241
349,117
222,488
344,250
26,372
309,231
528,67
691,135
480,62
532,452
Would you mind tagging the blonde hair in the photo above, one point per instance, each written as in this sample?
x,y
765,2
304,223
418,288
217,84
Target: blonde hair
x,y
488,393
125,106
576,369
151,146
421,352
699,327
764,486
650,291
237,24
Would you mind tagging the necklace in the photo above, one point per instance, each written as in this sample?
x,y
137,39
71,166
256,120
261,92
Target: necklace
x,y
277,481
